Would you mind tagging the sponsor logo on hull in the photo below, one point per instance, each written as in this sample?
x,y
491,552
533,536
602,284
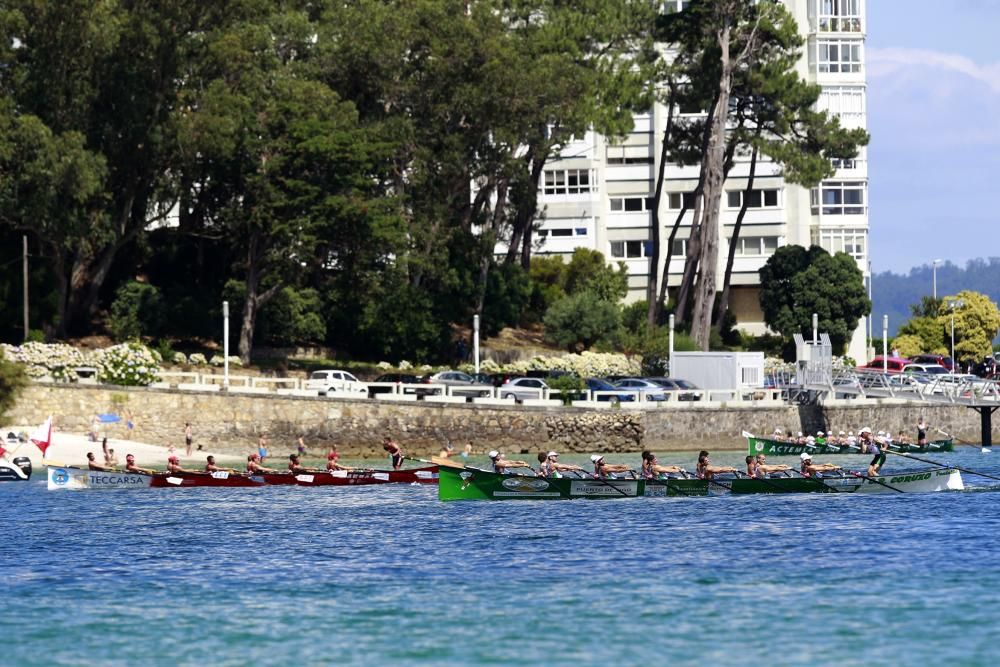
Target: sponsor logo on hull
x,y
604,488
525,484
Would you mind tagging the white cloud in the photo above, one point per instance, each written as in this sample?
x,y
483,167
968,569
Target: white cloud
x,y
894,62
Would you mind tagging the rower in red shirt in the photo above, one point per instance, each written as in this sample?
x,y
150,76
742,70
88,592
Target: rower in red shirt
x,y
331,461
254,466
174,465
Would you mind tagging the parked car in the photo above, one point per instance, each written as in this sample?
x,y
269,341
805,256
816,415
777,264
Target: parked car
x,y
597,384
646,390
461,384
925,369
522,388
333,381
686,391
891,365
939,359
400,378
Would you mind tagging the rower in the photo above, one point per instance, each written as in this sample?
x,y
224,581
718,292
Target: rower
x,y
211,467
762,470
810,469
704,470
602,469
500,464
550,466
651,469
751,466
94,465
254,466
446,452
295,466
395,452
331,460
130,466
174,465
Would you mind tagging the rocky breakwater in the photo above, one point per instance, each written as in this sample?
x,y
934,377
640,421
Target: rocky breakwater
x,y
595,432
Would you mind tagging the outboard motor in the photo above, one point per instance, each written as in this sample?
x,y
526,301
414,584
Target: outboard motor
x,y
24,463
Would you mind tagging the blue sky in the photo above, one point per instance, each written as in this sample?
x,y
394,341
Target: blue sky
x,y
934,117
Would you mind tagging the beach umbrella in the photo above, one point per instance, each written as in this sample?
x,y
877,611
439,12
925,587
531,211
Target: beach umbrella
x,y
108,418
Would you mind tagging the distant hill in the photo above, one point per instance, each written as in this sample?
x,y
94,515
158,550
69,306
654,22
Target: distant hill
x,y
893,294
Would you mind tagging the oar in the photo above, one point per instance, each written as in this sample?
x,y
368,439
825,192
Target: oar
x,y
816,479
942,465
763,479
961,441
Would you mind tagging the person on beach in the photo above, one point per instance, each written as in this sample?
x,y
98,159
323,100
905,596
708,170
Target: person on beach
x,y
602,469
550,466
651,469
467,452
110,459
92,463
254,466
500,464
301,446
395,452
762,470
262,447
211,467
705,470
174,465
95,426
188,438
810,469
129,424
130,466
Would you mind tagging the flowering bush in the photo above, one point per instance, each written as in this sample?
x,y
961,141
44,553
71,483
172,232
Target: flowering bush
x,y
197,359
179,358
57,360
405,365
586,364
235,361
383,365
129,364
217,360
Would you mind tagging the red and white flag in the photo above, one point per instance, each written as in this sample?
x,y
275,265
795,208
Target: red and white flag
x,y
43,435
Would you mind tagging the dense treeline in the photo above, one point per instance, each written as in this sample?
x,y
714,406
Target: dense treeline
x,y
342,171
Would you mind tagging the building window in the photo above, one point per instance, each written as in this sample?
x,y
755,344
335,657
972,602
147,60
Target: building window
x,y
851,241
839,198
629,155
839,15
630,249
630,204
679,248
845,163
670,6
567,181
756,246
676,199
756,199
562,232
845,102
838,55
581,231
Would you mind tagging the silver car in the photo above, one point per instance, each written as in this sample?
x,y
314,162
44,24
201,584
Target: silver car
x,y
461,384
522,388
646,390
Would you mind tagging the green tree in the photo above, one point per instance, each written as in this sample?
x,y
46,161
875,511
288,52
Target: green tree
x,y
548,285
12,380
589,271
796,282
138,310
580,320
908,345
294,317
977,321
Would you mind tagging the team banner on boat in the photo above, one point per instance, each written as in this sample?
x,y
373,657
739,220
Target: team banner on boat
x,y
78,478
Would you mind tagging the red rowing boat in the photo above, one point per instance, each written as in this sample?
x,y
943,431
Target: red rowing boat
x,y
189,479
276,478
427,475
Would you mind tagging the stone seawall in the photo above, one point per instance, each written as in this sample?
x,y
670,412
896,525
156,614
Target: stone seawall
x,y
231,423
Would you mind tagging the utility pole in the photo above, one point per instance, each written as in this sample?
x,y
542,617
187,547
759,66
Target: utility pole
x,y
25,287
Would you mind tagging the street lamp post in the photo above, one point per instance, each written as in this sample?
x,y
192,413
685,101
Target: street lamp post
x,y
815,329
885,343
225,344
934,266
952,305
475,340
870,309
670,361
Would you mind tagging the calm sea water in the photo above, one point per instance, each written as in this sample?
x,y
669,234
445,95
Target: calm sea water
x,y
378,575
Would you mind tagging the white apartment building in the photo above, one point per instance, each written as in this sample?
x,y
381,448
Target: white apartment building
x,y
596,193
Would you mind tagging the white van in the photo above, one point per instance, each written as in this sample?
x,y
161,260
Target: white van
x,y
331,382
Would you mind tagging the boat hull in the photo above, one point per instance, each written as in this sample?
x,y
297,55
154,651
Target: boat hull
x,y
427,475
74,479
474,484
18,470
782,448
214,479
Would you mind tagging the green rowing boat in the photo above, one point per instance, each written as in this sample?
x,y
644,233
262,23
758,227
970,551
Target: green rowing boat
x,y
474,484
757,445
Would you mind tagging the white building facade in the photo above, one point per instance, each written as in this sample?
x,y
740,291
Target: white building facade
x,y
596,193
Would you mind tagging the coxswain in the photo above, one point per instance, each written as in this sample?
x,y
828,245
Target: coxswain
x,y
395,452
110,459
602,469
254,466
174,465
878,460
810,469
550,466
762,470
705,470
866,442
94,465
130,466
211,467
500,464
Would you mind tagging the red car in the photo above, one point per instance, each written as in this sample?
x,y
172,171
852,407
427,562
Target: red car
x,y
885,364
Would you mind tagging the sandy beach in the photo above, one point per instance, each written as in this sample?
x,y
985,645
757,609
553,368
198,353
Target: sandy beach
x,y
72,448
